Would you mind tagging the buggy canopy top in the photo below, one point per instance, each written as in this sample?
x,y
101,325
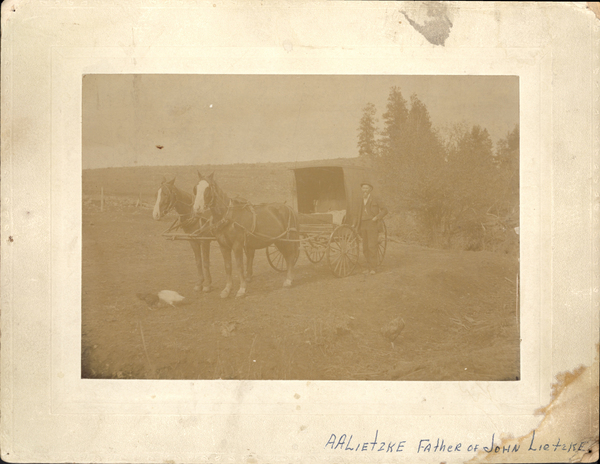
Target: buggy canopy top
x,y
322,189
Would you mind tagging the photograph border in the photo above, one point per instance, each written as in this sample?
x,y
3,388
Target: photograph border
x,y
69,64
41,327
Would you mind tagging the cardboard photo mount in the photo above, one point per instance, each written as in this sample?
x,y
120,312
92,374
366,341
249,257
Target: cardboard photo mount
x,y
49,414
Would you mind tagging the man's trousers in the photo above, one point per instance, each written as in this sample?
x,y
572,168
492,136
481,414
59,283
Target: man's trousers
x,y
369,232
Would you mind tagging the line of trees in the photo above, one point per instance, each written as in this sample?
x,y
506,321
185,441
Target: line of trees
x,y
459,191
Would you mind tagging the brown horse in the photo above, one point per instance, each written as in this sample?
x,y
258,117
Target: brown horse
x,y
240,226
170,197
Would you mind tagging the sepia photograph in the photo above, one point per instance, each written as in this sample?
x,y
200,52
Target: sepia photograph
x,y
282,232
300,227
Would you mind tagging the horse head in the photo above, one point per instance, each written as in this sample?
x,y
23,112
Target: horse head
x,y
165,199
204,193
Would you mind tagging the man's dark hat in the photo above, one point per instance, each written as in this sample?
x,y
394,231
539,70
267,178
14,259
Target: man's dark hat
x,y
366,183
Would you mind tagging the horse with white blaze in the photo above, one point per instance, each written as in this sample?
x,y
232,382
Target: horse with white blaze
x,y
240,226
170,197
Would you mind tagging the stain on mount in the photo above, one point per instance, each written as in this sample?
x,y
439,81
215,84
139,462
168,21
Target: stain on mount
x,y
431,22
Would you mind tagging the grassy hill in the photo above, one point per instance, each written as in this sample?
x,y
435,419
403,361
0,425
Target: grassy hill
x,y
259,183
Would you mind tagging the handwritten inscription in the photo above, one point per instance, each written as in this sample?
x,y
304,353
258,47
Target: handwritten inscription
x,y
344,442
347,442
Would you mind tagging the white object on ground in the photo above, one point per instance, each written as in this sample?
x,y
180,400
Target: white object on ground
x,y
170,297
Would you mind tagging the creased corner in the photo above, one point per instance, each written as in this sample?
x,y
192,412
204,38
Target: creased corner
x,y
10,6
595,7
8,9
588,455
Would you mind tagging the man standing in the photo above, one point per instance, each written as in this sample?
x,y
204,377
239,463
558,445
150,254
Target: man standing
x,y
370,211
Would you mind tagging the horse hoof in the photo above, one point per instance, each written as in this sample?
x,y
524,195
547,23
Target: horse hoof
x,y
197,288
224,293
206,289
241,293
287,283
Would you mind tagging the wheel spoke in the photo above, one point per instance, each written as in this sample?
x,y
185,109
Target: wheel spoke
x,y
336,259
342,251
339,263
339,268
315,253
276,259
344,273
350,265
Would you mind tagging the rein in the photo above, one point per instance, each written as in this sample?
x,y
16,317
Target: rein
x,y
217,204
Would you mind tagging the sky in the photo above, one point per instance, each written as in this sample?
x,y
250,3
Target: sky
x,y
154,120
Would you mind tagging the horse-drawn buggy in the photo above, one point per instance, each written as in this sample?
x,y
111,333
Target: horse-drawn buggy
x,y
322,222
324,197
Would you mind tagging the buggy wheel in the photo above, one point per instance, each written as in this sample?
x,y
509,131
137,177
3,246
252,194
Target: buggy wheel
x,y
381,242
276,259
342,251
314,253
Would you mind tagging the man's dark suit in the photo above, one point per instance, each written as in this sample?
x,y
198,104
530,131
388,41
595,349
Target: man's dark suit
x,y
368,228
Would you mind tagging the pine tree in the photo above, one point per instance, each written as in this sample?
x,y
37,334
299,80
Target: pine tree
x,y
461,192
471,164
393,135
423,149
367,131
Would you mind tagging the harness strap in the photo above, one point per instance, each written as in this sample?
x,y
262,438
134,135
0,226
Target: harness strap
x,y
203,227
253,233
225,220
173,198
262,236
219,225
289,224
174,225
253,217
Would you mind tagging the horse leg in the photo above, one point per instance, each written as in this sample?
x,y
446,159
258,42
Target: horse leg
x,y
238,250
249,261
290,259
198,255
290,251
205,244
226,252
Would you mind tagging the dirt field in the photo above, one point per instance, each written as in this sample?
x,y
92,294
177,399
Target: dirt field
x,y
459,309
